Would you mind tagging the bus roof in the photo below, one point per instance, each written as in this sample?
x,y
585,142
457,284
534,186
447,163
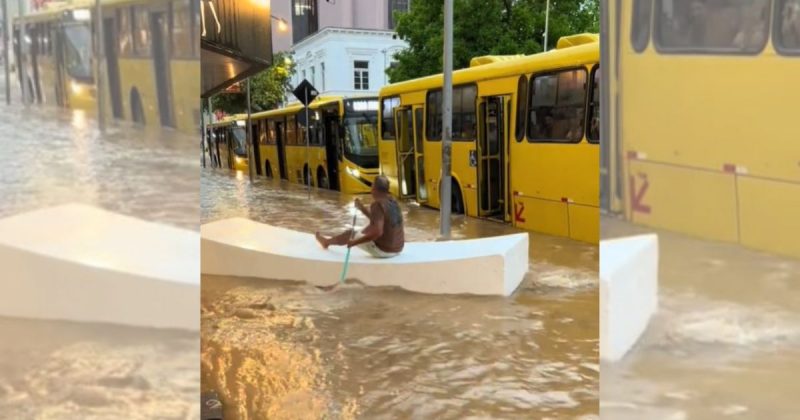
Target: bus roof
x,y
572,50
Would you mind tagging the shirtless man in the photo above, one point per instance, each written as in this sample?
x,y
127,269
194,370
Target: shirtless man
x,y
384,236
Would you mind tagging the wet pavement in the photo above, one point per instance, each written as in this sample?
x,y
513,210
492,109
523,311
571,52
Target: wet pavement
x,y
283,350
57,369
725,342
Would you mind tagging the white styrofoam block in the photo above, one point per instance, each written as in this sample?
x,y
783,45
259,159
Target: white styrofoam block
x,y
79,263
244,248
628,292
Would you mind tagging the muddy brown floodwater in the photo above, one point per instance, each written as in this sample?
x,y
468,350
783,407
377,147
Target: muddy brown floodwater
x,y
283,350
725,342
57,369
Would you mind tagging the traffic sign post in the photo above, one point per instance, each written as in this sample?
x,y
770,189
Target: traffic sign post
x,y
306,93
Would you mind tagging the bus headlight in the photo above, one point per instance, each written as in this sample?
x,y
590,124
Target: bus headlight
x,y
77,89
353,172
404,187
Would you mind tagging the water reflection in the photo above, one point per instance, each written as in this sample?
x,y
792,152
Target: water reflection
x,y
285,350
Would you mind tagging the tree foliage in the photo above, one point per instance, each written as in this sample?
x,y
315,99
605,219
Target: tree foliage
x,y
267,88
485,27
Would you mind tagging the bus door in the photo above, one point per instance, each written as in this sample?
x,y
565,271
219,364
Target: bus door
x,y
57,40
333,152
279,141
160,37
406,167
223,139
491,153
112,66
419,158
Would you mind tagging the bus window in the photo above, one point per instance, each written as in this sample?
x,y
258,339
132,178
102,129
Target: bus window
x,y
387,117
141,31
556,107
182,15
593,133
522,94
464,120
640,27
787,27
271,139
78,51
291,131
712,26
125,35
361,139
239,141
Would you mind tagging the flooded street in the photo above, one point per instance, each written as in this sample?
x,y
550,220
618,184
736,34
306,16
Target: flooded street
x,y
283,350
56,369
725,342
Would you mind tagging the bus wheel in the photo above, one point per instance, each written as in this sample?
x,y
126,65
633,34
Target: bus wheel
x,y
457,202
268,169
137,111
322,179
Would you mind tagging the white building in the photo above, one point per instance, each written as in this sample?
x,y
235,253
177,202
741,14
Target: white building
x,y
348,62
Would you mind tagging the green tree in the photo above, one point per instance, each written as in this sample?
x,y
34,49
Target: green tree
x,y
267,88
485,27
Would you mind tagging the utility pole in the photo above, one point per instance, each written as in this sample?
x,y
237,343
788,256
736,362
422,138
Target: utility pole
x,y
5,52
308,148
447,122
98,67
21,59
203,132
248,131
546,23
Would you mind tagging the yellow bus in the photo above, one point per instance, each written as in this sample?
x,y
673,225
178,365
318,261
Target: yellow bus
x,y
343,152
525,139
227,143
701,137
151,60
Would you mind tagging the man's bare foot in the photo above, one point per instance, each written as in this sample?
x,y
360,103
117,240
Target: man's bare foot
x,y
321,239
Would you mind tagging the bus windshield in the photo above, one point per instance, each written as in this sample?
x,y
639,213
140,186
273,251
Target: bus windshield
x,y
78,51
240,141
361,138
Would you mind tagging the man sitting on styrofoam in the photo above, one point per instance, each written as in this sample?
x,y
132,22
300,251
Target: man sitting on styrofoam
x,y
383,237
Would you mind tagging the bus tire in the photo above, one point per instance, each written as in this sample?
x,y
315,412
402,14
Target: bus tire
x,y
457,199
267,169
322,179
137,110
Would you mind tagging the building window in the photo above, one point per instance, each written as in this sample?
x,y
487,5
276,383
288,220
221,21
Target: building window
x,y
304,76
399,6
361,75
313,76
304,19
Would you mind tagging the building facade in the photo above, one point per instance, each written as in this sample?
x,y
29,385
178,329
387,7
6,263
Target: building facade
x,y
343,47
347,62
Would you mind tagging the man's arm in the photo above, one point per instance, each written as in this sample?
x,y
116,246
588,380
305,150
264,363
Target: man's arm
x,y
375,228
360,206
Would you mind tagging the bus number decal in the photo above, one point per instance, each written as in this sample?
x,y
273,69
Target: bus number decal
x,y
519,208
637,195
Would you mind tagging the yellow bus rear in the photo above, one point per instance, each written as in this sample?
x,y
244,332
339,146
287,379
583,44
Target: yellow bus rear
x,y
525,139
702,134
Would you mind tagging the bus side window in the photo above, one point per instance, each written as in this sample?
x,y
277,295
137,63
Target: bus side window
x,y
593,132
522,95
640,24
787,27
556,107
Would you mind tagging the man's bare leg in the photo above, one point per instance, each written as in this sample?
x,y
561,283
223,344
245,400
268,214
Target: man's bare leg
x,y
340,239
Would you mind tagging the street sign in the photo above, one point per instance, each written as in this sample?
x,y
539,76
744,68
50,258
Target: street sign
x,y
305,93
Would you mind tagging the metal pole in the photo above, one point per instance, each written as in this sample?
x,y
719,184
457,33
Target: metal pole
x,y
98,68
21,59
202,132
308,149
250,163
6,64
546,23
447,121
212,144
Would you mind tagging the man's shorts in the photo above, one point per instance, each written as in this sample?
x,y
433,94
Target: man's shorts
x,y
373,250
